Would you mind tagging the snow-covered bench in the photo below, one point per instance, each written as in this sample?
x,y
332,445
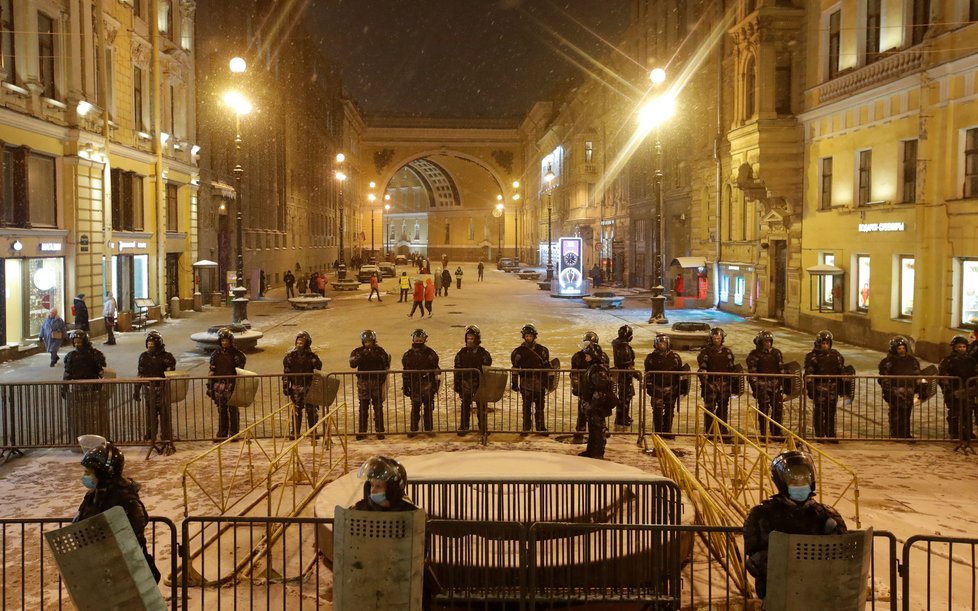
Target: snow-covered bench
x,y
604,300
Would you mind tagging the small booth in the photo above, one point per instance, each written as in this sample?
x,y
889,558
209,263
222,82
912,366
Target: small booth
x,y
689,280
199,268
826,287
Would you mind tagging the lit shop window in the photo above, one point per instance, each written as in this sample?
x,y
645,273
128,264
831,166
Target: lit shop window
x,y
724,288
740,287
862,282
906,286
826,295
969,293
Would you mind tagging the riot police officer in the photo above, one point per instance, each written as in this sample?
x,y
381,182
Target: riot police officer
x,y
578,366
768,391
86,411
300,359
224,362
597,388
960,406
153,363
793,510
466,383
624,359
422,387
664,389
898,392
824,360
532,385
372,362
716,390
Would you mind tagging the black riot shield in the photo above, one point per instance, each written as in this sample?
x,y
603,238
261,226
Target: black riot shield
x,y
737,381
554,377
847,384
927,385
792,386
493,385
684,381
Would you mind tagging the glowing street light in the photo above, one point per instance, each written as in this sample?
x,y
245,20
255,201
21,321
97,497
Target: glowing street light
x,y
651,117
549,179
237,65
341,177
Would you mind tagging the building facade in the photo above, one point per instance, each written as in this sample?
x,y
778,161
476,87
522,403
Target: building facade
x,y
98,185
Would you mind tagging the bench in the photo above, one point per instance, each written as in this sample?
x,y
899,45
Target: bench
x,y
146,313
603,300
309,302
689,335
346,285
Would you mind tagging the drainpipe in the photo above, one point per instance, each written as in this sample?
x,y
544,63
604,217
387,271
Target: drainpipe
x,y
719,171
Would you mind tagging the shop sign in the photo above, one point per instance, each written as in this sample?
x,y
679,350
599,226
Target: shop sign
x,y
50,247
879,227
125,245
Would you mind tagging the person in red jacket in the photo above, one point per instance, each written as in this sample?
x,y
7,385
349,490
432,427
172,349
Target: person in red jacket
x,y
429,296
374,287
418,299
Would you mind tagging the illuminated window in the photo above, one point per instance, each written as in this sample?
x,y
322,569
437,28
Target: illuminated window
x,y
740,287
826,295
969,294
862,283
588,152
906,287
724,288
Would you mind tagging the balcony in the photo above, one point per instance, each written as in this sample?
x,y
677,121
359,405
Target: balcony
x,y
892,65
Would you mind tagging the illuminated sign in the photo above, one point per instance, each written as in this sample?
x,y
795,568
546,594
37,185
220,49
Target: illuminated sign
x,y
50,247
874,227
125,245
570,268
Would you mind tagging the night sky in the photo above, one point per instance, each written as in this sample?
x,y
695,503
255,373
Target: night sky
x,y
461,58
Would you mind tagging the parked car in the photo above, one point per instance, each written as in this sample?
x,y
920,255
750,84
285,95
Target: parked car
x,y
400,260
387,269
366,271
507,263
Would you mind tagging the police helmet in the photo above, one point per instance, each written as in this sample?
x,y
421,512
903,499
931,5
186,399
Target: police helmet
x,y
898,341
83,334
592,349
660,338
224,332
304,335
475,332
625,333
387,470
154,336
823,336
419,334
368,334
718,331
763,336
792,466
105,460
528,329
959,339
591,337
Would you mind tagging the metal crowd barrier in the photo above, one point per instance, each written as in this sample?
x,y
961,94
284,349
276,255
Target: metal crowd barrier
x,y
940,573
29,575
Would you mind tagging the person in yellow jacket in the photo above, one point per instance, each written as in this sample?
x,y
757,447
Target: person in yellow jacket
x,y
405,284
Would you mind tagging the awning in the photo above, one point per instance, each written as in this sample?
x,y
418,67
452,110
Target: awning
x,y
689,262
825,270
205,263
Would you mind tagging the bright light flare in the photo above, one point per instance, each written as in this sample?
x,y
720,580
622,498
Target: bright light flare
x,y
657,111
237,65
657,76
340,157
237,102
371,197
340,176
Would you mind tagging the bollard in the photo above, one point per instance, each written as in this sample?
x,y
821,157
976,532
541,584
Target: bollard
x,y
174,307
198,302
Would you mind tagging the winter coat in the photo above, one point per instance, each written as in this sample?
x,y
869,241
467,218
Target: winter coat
x,y
81,313
419,385
477,357
418,291
446,278
49,327
85,363
370,359
224,362
531,356
299,360
429,290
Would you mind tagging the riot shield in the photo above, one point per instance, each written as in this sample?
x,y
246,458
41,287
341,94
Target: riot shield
x,y
245,388
737,381
553,377
927,385
493,385
847,384
684,381
792,386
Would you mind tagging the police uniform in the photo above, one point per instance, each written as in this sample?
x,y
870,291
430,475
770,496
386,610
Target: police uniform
x,y
598,396
579,365
899,392
768,391
663,389
716,390
956,398
155,364
624,358
421,387
225,362
824,392
532,385
372,362
466,384
300,360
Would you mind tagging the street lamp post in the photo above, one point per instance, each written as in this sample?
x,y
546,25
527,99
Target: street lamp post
x,y
652,117
516,219
241,106
341,176
372,198
549,178
499,229
387,227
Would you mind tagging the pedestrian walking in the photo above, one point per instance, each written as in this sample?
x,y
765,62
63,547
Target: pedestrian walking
x,y
429,296
109,310
80,311
482,269
321,284
374,287
404,283
418,298
154,363
53,332
289,279
224,362
446,280
458,277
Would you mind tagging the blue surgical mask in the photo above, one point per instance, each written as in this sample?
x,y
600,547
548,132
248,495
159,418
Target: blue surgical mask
x,y
88,482
799,494
378,497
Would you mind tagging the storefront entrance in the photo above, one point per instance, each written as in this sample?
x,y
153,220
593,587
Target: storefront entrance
x,y
32,287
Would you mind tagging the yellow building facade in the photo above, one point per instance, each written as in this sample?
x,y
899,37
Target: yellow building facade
x,y
98,183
